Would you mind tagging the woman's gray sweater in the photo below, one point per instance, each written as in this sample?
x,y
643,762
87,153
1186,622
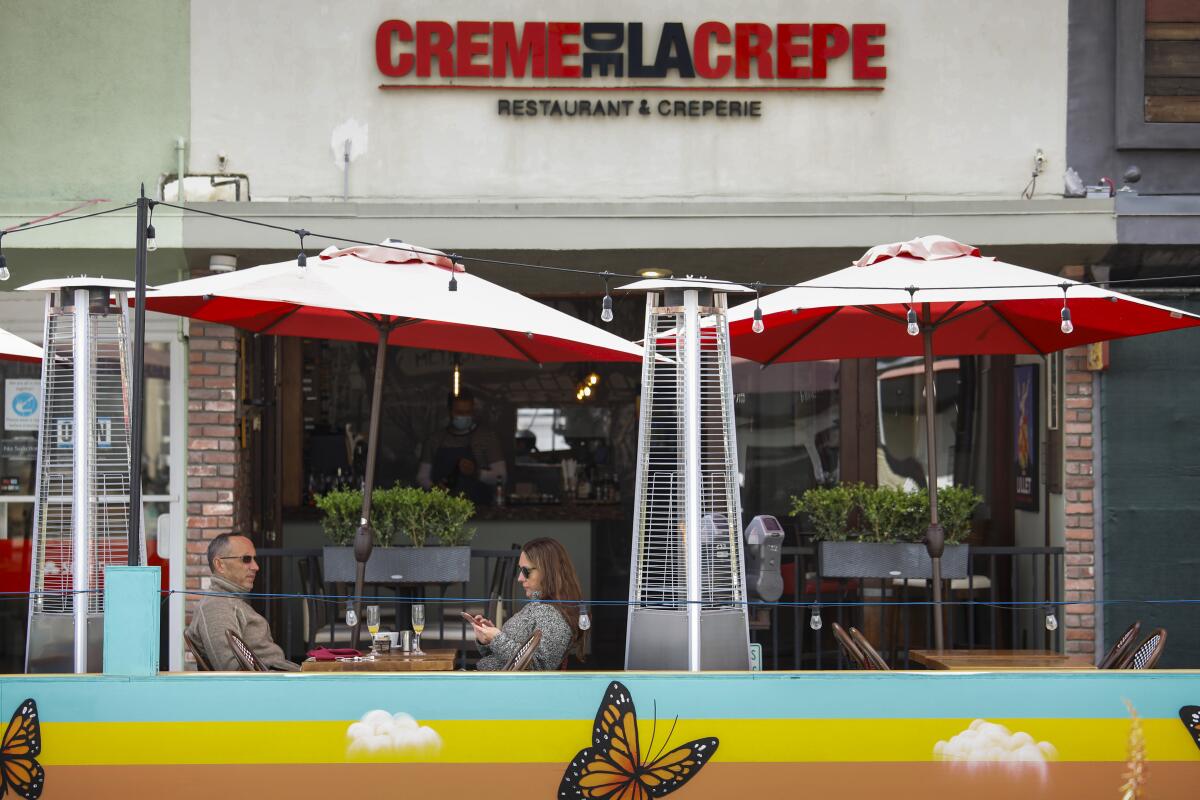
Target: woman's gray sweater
x,y
556,638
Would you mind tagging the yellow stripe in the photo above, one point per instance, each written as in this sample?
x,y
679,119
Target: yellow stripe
x,y
557,741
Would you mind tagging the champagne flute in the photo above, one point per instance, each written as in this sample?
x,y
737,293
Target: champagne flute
x,y
373,624
418,623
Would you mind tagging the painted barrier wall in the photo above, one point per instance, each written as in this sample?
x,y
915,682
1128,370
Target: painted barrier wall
x,y
527,735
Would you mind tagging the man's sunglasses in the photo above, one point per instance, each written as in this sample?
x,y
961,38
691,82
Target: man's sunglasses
x,y
243,559
525,571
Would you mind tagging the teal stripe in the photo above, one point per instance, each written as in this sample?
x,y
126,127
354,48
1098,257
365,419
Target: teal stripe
x,y
844,695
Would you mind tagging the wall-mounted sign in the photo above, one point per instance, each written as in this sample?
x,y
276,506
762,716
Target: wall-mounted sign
x,y
19,448
22,402
620,56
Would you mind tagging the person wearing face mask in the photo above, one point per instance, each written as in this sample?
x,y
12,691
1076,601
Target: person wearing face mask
x,y
463,458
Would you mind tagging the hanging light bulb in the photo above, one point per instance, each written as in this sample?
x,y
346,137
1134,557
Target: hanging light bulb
x,y
757,326
913,328
4,273
585,621
593,378
606,313
1051,620
587,391
453,283
1067,326
151,239
351,616
302,257
814,621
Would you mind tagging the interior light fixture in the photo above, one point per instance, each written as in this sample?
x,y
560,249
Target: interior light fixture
x,y
655,272
218,262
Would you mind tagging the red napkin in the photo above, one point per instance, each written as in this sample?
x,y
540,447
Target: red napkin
x,y
332,653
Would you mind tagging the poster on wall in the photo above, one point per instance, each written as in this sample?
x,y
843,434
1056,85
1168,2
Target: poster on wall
x,y
1025,432
22,399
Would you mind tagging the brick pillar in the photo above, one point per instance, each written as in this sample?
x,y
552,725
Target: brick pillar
x,y
213,460
1079,486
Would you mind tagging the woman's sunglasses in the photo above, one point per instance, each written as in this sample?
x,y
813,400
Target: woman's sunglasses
x,y
243,559
525,571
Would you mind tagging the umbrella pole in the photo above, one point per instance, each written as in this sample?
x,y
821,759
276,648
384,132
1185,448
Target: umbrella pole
x,y
364,539
935,536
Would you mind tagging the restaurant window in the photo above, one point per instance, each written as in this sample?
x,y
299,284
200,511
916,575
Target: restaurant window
x,y
788,419
901,449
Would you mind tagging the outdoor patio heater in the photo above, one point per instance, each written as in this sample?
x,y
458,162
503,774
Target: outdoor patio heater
x,y
687,590
81,506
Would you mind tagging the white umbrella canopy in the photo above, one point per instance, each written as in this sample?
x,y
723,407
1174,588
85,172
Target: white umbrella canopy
x,y
390,294
935,296
14,348
346,294
974,305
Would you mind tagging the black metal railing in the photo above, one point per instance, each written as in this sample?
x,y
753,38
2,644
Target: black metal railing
x,y
1002,603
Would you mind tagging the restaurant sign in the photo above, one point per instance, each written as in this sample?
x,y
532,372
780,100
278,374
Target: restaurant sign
x,y
607,57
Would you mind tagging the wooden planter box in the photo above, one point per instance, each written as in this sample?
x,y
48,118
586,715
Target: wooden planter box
x,y
887,560
401,564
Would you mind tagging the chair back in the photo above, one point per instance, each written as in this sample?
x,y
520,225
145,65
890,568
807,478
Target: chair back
x,y
501,587
244,654
524,655
1120,652
869,653
1149,651
849,648
197,653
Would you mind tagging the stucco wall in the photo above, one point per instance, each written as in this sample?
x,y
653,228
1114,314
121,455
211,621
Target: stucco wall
x,y
92,96
972,91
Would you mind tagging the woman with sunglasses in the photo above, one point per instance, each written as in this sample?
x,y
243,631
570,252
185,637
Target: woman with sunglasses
x,y
549,580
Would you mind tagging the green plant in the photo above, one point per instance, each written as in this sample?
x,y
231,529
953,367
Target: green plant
x,y
448,515
828,509
398,511
887,514
341,510
956,506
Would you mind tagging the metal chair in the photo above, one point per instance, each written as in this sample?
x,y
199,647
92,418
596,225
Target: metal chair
x,y
197,652
524,656
316,614
849,648
1119,653
870,654
1149,651
244,654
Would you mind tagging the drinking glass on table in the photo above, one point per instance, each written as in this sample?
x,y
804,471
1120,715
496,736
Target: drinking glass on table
x,y
418,623
373,624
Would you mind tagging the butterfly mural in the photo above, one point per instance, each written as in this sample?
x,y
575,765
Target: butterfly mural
x,y
1191,720
614,767
19,749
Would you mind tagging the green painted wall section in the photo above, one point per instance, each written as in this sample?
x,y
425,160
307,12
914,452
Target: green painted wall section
x,y
1150,429
92,96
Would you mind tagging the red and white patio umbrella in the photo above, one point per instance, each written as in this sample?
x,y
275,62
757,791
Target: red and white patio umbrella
x,y
14,348
391,294
935,296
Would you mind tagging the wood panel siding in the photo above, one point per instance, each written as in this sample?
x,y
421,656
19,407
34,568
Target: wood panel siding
x,y
1172,61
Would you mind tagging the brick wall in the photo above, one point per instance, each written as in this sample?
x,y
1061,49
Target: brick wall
x,y
1079,485
213,468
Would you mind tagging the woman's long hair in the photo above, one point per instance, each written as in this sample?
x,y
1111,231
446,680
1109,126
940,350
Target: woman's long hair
x,y
559,583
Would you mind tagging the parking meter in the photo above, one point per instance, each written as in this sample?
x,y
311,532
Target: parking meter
x,y
764,574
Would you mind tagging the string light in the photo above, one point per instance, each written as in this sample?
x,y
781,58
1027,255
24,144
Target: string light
x,y
913,328
151,238
453,287
4,273
1067,327
1051,620
814,621
593,378
301,257
606,312
757,326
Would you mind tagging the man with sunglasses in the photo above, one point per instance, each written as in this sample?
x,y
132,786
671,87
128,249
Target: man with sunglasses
x,y
232,560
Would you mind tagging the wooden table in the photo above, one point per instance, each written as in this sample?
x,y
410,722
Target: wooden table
x,y
999,659
431,661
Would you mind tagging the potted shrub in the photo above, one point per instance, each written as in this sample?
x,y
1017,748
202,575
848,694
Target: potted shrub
x,y
889,542
417,517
